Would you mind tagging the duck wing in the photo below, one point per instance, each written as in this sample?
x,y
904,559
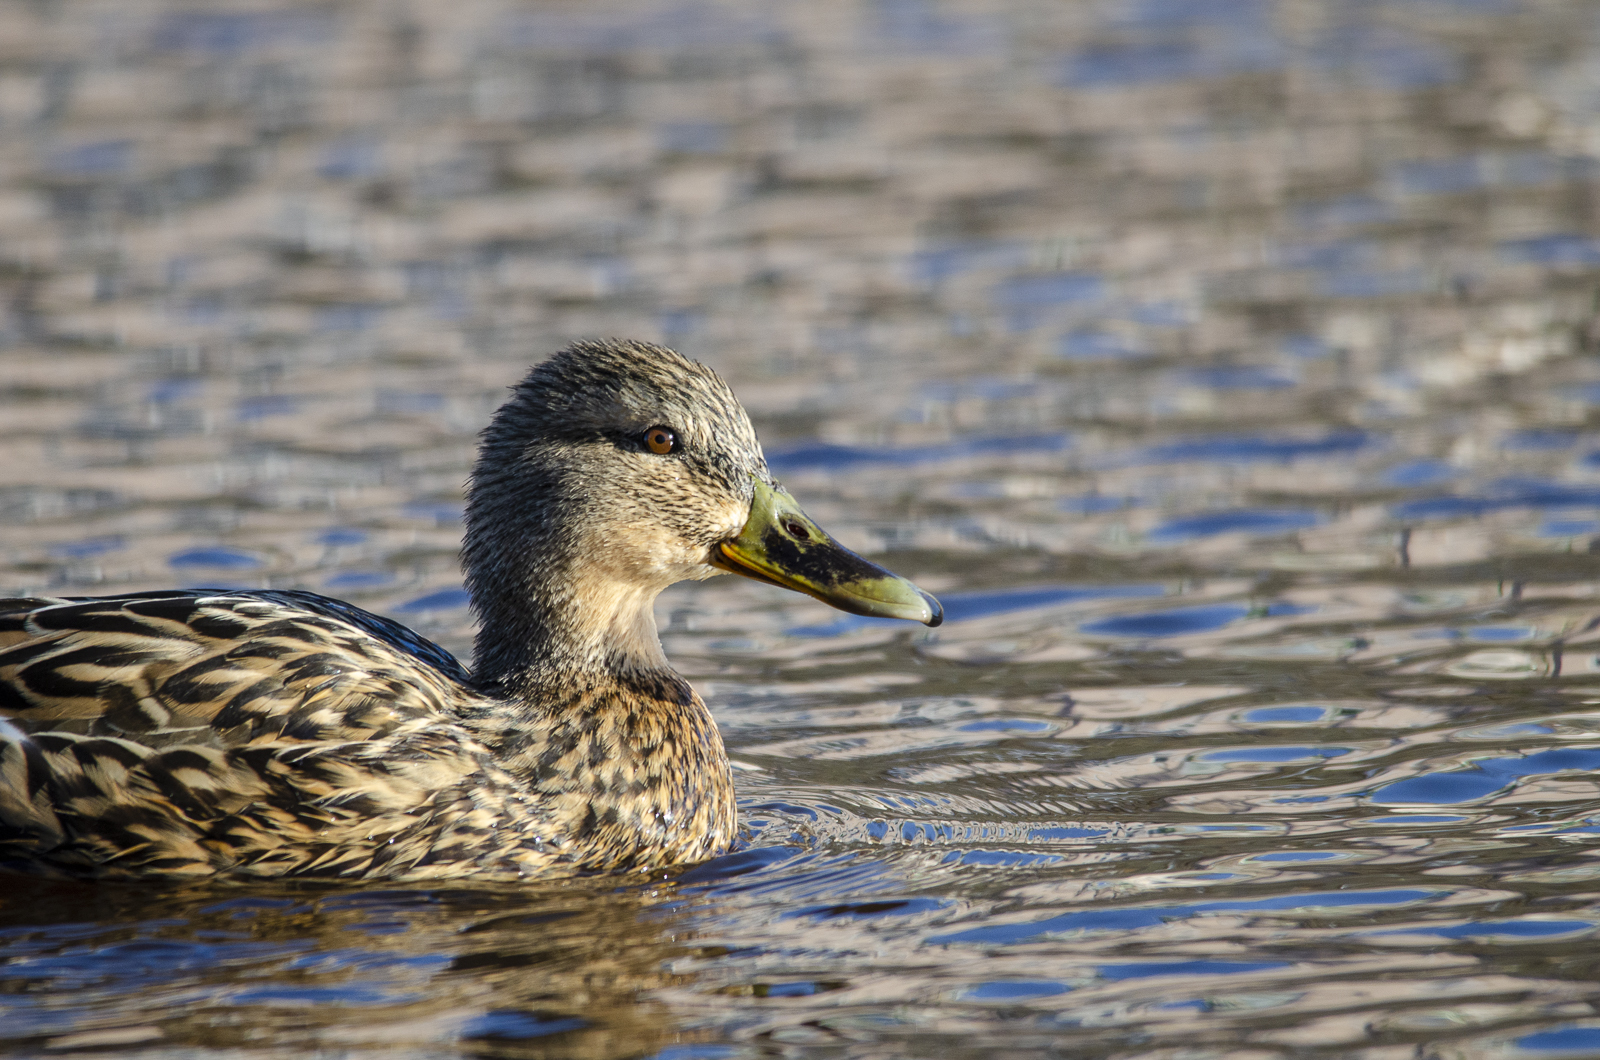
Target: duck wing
x,y
220,668
275,732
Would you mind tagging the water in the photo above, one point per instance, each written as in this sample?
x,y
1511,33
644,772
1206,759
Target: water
x,y
1225,365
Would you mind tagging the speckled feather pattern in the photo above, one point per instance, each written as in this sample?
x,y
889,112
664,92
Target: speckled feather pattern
x,y
285,734
187,734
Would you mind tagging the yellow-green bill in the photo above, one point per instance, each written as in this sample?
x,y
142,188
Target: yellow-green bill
x,y
781,545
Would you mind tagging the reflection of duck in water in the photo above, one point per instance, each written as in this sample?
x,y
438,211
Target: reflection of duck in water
x,y
557,968
287,734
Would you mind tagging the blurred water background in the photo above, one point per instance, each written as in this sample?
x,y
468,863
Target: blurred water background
x,y
1226,365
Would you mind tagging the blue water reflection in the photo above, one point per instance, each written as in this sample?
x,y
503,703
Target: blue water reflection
x,y
1443,176
750,861
1119,66
962,607
1095,504
1014,990
1384,56
1414,473
122,965
1161,314
89,546
353,996
1568,527
1162,41
1562,248
1088,345
1570,1041
692,27
1172,623
1263,715
1025,299
99,159
1486,776
1140,918
1049,289
693,137
1375,283
441,600
940,262
1240,16
349,316
407,402
1006,725
697,1052
1037,835
359,579
1504,494
181,388
265,406
1542,439
1306,347
1348,211
229,33
350,158
218,557
921,26
511,1025
1526,929
1500,634
1257,521
338,536
1341,254
440,512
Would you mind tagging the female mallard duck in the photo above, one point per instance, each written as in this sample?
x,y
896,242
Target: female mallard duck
x,y
287,734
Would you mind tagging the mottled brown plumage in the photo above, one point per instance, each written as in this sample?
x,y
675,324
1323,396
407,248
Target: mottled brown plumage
x,y
285,734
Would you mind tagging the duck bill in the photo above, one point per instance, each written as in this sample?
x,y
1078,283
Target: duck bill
x,y
780,545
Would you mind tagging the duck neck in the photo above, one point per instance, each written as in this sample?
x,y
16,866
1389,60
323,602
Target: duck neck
x,y
547,619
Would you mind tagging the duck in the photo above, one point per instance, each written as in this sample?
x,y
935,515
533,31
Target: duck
x,y
283,734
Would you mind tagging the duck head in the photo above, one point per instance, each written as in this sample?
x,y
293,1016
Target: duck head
x,y
615,469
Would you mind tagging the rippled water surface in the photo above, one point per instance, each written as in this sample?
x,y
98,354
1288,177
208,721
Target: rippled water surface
x,y
1225,365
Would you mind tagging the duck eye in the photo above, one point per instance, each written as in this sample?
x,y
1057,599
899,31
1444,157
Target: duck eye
x,y
660,440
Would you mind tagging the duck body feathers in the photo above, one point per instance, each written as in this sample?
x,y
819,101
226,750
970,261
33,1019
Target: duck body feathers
x,y
287,734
